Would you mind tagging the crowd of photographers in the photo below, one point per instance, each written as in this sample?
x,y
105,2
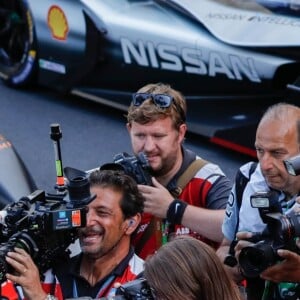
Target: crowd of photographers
x,y
130,222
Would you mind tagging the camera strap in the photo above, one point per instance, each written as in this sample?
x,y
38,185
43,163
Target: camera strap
x,y
153,226
189,173
240,184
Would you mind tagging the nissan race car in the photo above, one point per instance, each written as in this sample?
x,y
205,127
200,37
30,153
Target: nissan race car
x,y
230,58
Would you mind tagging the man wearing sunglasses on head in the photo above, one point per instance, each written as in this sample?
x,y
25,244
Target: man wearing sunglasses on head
x,y
157,126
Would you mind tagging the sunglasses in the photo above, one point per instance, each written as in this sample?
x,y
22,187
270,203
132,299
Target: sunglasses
x,y
161,100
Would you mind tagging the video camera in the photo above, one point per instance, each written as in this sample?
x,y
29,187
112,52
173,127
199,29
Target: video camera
x,y
45,224
135,166
280,233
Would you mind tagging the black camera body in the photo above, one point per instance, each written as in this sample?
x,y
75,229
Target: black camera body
x,y
44,224
292,165
135,166
137,289
280,233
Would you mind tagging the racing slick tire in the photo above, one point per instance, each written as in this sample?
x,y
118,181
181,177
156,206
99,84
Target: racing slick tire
x,y
18,47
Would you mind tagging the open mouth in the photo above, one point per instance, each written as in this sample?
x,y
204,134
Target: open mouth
x,y
89,236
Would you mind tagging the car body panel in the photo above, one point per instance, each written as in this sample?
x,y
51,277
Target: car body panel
x,y
244,25
229,61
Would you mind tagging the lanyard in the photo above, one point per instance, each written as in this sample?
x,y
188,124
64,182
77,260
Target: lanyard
x,y
102,291
165,231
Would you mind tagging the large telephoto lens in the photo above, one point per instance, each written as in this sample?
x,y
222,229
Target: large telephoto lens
x,y
255,259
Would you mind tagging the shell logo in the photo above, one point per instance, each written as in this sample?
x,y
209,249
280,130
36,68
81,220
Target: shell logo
x,y
58,23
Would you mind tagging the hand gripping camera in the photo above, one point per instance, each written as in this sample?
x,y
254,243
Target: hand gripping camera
x,y
280,233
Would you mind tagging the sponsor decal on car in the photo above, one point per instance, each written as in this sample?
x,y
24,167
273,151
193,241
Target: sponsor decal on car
x,y
189,60
274,20
58,23
52,66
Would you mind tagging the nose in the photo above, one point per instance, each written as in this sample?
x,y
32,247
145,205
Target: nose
x,y
266,161
90,217
149,144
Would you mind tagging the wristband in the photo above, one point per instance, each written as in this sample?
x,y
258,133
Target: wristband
x,y
175,211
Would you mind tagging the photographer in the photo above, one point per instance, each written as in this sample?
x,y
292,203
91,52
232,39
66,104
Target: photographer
x,y
277,138
157,126
106,256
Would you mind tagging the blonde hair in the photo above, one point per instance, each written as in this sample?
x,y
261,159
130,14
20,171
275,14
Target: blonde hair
x,y
148,111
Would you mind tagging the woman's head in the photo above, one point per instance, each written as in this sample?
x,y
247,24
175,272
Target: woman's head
x,y
186,268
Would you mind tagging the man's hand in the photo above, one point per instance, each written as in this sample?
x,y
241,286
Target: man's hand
x,y
157,198
26,274
287,270
222,252
243,242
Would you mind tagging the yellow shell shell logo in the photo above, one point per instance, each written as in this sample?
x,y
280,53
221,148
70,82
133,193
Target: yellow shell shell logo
x,y
58,23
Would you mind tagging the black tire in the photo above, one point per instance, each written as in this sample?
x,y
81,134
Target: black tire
x,y
18,51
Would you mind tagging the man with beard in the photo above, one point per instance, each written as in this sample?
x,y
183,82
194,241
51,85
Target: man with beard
x,y
277,138
107,258
157,127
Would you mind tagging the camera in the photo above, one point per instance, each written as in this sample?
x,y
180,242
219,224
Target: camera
x,y
45,224
292,165
137,289
135,166
280,233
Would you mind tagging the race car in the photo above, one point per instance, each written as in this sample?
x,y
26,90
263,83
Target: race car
x,y
230,58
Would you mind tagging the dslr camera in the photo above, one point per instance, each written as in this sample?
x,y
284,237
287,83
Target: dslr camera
x,y
45,224
137,289
280,233
135,166
292,165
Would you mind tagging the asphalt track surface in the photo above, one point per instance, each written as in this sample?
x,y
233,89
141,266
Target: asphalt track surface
x,y
92,134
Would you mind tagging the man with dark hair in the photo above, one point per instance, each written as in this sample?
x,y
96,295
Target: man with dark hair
x,y
157,126
107,257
